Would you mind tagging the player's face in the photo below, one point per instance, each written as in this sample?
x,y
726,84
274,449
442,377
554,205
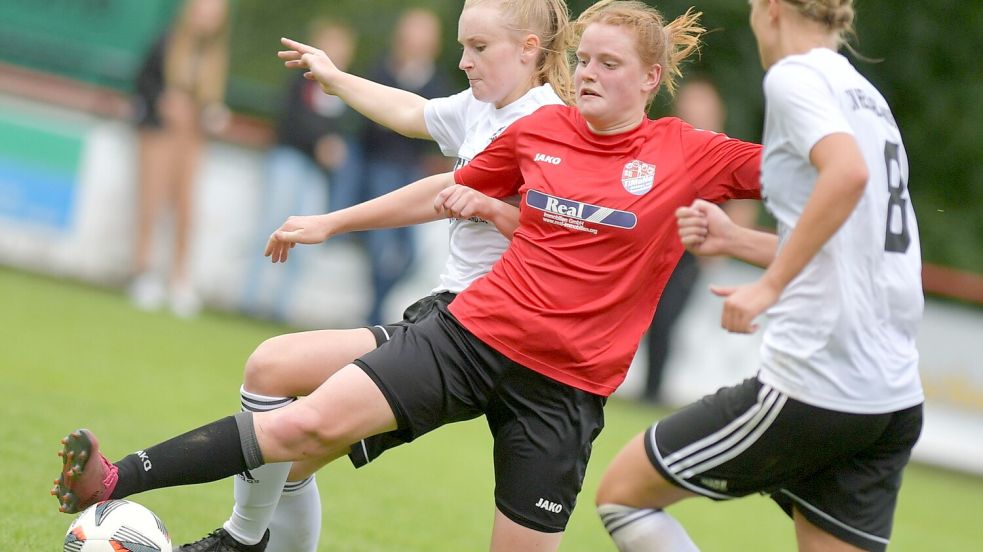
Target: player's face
x,y
492,57
612,83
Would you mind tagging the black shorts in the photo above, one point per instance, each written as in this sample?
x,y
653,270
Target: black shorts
x,y
842,471
414,313
436,372
370,448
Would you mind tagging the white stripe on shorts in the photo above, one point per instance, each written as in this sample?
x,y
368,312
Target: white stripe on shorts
x,y
729,446
681,482
725,443
385,332
800,502
704,442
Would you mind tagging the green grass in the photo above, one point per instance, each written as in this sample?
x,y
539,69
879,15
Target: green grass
x,y
76,356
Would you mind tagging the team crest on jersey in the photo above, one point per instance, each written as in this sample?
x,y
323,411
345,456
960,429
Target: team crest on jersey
x,y
572,214
637,177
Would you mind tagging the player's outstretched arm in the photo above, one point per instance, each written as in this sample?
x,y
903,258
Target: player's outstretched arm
x,y
390,107
459,201
409,205
841,178
705,229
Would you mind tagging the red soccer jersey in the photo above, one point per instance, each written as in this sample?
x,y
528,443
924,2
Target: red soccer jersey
x,y
597,237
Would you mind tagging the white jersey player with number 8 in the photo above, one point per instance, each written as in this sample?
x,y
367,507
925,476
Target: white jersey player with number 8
x,y
827,425
842,336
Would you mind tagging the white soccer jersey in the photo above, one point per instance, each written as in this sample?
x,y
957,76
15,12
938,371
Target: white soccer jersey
x,y
463,126
842,335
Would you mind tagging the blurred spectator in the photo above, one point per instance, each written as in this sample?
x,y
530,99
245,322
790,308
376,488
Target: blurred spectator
x,y
179,93
698,103
391,160
316,147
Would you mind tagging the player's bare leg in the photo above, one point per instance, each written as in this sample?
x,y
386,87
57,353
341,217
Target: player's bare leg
x,y
346,408
509,536
295,364
813,539
267,499
630,500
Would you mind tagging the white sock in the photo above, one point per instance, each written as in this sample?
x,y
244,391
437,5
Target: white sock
x,y
637,530
257,491
296,525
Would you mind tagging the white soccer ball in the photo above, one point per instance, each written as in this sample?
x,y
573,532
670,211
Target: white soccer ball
x,y
117,526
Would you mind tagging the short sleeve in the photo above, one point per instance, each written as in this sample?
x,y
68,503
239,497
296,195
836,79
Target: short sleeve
x,y
495,171
721,167
804,104
447,120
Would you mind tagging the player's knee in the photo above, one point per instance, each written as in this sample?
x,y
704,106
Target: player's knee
x,y
608,492
616,487
299,433
262,372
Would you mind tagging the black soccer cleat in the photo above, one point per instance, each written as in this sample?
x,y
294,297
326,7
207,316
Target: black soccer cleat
x,y
220,540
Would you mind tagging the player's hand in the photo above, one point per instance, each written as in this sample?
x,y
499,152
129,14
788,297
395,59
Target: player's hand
x,y
461,202
306,229
704,228
744,304
317,65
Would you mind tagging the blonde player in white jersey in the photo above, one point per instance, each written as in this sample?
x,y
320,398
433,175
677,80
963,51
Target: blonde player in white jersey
x,y
514,57
828,424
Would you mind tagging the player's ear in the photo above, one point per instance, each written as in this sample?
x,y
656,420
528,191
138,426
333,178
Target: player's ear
x,y
773,7
651,79
530,48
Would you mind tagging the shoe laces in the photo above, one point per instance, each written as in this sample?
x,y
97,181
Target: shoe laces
x,y
205,543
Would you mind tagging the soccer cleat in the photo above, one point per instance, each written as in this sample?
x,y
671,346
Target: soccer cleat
x,y
86,476
220,540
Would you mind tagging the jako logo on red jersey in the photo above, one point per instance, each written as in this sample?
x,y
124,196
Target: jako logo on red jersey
x,y
580,211
547,159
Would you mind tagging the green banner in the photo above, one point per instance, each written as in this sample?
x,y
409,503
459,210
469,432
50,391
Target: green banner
x,y
97,41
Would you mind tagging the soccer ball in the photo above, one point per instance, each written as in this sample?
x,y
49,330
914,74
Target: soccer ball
x,y
117,526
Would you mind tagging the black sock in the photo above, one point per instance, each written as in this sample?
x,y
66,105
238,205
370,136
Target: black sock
x,y
209,453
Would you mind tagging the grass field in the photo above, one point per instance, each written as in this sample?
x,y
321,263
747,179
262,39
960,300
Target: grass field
x,y
76,356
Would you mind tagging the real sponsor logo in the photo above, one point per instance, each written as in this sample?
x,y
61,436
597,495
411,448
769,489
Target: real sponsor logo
x,y
637,177
573,214
542,157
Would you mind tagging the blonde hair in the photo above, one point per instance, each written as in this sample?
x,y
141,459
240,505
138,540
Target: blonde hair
x,y
836,15
195,63
550,21
657,42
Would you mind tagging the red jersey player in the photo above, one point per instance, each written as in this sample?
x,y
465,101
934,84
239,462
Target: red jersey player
x,y
598,211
